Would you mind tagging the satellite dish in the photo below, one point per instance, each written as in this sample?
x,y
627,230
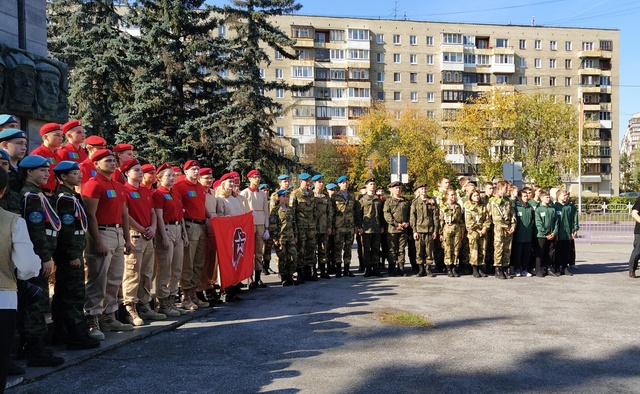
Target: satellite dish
x,y
295,158
295,143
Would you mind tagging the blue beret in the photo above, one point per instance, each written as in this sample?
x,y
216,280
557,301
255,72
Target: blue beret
x,y
304,176
343,178
34,161
283,192
65,166
317,177
331,186
263,186
283,177
4,155
6,118
9,134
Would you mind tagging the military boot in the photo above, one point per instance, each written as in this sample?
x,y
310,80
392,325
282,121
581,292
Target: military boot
x,y
429,272
133,318
400,270
422,271
450,272
455,272
308,274
79,338
347,271
481,272
38,356
500,274
392,269
338,270
367,272
323,271
375,272
476,274
300,276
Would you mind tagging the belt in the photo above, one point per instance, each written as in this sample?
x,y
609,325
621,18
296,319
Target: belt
x,y
105,226
51,233
195,221
78,232
173,223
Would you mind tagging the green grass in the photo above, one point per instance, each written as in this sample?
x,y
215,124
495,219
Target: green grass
x,y
405,319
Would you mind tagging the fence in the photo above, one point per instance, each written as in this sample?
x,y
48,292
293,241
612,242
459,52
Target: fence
x,y
607,226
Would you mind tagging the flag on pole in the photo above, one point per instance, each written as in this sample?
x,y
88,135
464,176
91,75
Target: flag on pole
x,y
235,244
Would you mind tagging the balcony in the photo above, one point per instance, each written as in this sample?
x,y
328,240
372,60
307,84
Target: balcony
x,y
595,53
303,43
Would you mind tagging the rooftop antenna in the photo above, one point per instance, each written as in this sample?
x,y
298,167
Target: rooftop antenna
x,y
395,10
533,21
405,15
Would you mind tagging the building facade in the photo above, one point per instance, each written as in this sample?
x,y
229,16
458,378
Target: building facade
x,y
436,67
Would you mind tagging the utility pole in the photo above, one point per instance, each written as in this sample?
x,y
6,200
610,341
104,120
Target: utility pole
x,y
580,127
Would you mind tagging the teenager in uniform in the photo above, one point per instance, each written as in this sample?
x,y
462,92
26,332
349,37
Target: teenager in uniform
x,y
525,223
259,204
122,153
51,134
546,233
345,222
504,224
206,288
452,225
331,239
477,223
302,202
9,122
567,231
10,200
148,177
424,218
72,150
14,142
268,243
92,143
396,214
282,223
323,220
371,218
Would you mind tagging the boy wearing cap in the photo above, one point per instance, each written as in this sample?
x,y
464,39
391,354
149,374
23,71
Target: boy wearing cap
x,y
283,182
92,143
148,176
123,153
72,150
43,225
51,134
69,323
259,204
331,253
195,215
138,272
302,201
323,220
504,224
107,243
14,142
371,212
282,224
425,222
396,214
9,122
344,222
10,200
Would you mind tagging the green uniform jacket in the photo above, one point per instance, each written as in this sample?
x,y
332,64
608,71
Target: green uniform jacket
x,y
546,222
14,179
567,218
451,214
71,239
533,204
396,211
304,206
10,201
476,217
43,245
323,213
371,213
282,224
502,214
524,223
345,212
424,216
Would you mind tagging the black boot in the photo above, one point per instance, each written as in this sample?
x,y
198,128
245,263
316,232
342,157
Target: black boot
x,y
308,275
450,272
481,272
367,272
338,269
347,271
38,356
265,267
422,271
15,370
429,272
476,274
259,283
455,272
79,339
500,274
392,269
300,276
323,271
400,270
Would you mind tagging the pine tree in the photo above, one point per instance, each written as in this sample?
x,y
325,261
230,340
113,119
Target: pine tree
x,y
86,35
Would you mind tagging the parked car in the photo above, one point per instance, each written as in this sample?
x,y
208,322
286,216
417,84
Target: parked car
x,y
630,194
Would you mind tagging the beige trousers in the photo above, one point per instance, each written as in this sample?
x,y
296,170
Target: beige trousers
x,y
104,273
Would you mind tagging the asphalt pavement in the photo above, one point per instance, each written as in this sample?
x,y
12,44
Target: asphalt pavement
x,y
569,334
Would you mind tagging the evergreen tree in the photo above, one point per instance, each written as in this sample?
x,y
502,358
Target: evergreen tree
x,y
86,35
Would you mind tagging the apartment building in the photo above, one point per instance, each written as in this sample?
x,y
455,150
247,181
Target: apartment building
x,y
435,67
631,139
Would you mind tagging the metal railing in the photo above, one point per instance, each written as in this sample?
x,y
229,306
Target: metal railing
x,y
607,226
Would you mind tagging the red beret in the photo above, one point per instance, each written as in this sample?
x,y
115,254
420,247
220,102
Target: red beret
x,y
49,127
148,168
234,174
206,171
162,167
70,124
176,168
101,154
127,165
216,184
122,147
95,140
252,173
191,163
225,177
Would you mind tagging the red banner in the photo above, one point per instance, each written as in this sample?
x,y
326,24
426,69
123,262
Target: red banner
x,y
235,244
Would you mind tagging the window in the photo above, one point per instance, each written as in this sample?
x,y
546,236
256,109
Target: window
x,y
567,64
469,58
567,81
567,98
429,78
537,81
301,32
522,80
336,35
396,39
568,46
303,130
451,38
338,74
380,96
523,62
588,63
396,77
553,45
304,54
397,96
304,111
502,43
430,41
224,73
278,55
431,114
322,74
429,59
413,40
413,96
331,112
605,81
359,93
358,34
262,73
537,44
449,114
359,73
483,60
503,59
469,41
552,81
552,63
323,131
396,58
358,54
523,44
606,45
380,77
380,57
222,31
587,46
483,79
280,131
430,97
537,62
413,77
413,59
452,57
336,54
502,79
452,77
605,115
380,38
303,93
278,73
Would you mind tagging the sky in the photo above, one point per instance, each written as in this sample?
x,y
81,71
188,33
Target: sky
x,y
608,14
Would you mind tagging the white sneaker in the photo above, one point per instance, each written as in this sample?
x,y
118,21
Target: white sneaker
x,y
518,273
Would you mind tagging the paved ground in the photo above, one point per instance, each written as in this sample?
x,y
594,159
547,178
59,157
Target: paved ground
x,y
568,334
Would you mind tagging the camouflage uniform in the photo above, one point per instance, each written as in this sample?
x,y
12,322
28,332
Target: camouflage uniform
x,y
396,211
282,228
424,217
476,219
452,225
68,299
323,216
371,214
345,220
504,219
303,204
10,201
